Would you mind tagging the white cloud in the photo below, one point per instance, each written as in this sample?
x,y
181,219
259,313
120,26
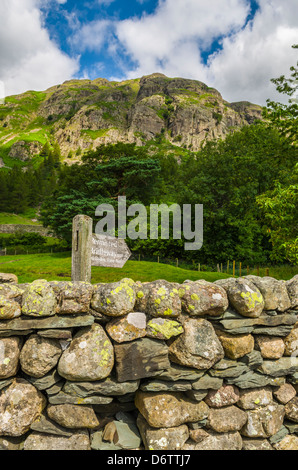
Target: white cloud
x,y
172,39
261,51
91,36
29,59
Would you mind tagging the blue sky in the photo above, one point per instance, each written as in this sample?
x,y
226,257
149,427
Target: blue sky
x,y
237,46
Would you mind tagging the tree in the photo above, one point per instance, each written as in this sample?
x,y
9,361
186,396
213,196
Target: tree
x,y
106,173
280,209
284,117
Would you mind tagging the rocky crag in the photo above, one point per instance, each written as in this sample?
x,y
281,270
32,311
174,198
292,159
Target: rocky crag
x,y
152,366
82,114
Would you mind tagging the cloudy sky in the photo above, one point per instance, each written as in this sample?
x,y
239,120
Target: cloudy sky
x,y
236,46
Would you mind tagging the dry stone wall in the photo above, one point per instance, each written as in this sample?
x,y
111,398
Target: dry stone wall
x,y
14,228
151,366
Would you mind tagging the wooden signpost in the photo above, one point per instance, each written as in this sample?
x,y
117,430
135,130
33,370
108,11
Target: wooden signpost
x,y
90,249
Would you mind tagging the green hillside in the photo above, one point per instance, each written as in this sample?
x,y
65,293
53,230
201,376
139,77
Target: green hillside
x,y
58,267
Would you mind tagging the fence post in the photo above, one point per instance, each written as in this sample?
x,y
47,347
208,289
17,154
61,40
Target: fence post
x,y
267,271
258,270
240,269
199,267
81,248
177,262
247,270
234,266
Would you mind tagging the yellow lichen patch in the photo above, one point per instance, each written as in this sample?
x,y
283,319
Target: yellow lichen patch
x,y
140,294
166,329
169,312
252,298
161,291
105,356
195,297
181,292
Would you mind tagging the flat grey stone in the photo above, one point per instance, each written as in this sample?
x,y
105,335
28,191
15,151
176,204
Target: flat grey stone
x,y
280,367
97,442
253,380
206,382
162,386
45,382
24,323
108,387
177,372
63,398
47,426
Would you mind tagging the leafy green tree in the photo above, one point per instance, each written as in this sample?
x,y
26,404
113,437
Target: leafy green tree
x,y
106,173
280,209
284,117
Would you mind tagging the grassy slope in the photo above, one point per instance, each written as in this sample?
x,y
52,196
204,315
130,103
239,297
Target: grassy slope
x,y
6,218
58,267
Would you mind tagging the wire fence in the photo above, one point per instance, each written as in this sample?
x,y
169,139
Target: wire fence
x,y
231,268
14,251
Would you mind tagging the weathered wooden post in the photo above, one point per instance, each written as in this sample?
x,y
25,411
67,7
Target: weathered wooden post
x,y
81,248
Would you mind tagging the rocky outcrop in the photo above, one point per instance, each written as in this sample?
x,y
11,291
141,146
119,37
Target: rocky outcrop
x,y
84,114
93,367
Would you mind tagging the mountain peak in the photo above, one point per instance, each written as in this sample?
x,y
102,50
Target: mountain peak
x,y
82,114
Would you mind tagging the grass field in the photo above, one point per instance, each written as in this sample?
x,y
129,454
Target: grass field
x,y
57,266
6,218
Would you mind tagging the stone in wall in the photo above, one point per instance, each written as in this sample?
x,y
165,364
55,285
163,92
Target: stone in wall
x,y
9,309
167,410
140,359
116,299
226,395
39,300
20,404
236,346
292,288
90,356
8,278
198,346
164,438
244,296
128,328
163,300
10,349
270,347
203,298
274,292
39,355
264,421
73,298
226,419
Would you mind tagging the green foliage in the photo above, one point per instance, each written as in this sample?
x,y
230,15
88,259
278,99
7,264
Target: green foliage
x,y
280,209
106,173
284,117
22,239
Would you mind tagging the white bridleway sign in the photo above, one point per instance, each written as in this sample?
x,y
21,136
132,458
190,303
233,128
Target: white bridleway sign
x,y
90,249
109,252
